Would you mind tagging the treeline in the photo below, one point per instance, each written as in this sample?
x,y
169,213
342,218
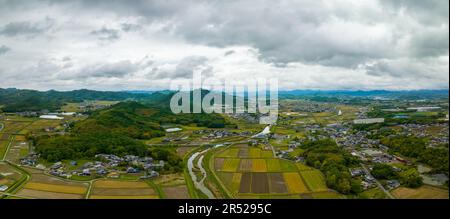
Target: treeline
x,y
326,156
415,147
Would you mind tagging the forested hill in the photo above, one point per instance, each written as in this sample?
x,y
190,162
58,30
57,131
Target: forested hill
x,y
142,121
16,100
117,130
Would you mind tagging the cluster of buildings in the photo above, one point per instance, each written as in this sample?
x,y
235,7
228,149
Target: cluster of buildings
x,y
212,134
108,165
439,136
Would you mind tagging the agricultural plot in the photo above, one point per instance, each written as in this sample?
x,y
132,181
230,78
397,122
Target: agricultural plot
x,y
259,165
273,165
176,192
18,149
8,175
314,180
42,186
254,173
230,165
3,147
294,183
254,153
13,127
173,186
231,152
115,189
41,126
424,192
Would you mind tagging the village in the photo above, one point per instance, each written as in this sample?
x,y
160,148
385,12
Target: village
x,y
104,165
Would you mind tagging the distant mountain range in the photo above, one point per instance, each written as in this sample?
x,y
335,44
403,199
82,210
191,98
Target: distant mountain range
x,y
16,100
409,94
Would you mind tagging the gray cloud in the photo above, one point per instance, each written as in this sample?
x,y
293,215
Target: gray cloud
x,y
184,68
299,31
26,28
106,34
398,39
4,49
102,70
130,27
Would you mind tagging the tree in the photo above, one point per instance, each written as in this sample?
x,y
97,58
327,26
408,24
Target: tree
x,y
383,171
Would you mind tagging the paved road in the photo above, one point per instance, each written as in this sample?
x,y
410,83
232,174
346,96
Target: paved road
x,y
378,183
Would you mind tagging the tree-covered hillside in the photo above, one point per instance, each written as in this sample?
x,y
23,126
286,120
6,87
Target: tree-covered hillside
x,y
117,130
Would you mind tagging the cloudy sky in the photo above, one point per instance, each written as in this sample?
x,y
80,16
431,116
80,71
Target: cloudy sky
x,y
306,44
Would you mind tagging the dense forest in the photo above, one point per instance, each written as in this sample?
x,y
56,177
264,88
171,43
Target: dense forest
x,y
326,156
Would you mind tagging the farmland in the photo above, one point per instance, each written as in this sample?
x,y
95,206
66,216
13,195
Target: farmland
x,y
42,186
424,192
252,172
115,189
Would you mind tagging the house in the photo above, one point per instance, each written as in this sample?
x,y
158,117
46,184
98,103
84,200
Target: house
x,y
86,172
357,172
56,165
114,175
132,170
392,184
3,188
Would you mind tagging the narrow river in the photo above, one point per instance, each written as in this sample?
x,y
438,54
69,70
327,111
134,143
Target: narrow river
x,y
199,183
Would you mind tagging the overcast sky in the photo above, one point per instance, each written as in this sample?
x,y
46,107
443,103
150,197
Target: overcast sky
x,y
306,44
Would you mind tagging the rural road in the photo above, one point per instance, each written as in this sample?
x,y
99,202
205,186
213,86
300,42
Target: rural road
x,y
378,183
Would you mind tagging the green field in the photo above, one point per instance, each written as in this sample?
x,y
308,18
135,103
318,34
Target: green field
x,y
250,172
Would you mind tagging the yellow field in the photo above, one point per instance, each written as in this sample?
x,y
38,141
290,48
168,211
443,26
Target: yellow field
x,y
20,138
119,184
231,152
294,183
236,181
266,154
273,165
259,165
56,188
315,180
230,165
424,192
254,153
124,197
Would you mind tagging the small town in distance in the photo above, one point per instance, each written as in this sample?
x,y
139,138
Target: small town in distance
x,y
326,146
